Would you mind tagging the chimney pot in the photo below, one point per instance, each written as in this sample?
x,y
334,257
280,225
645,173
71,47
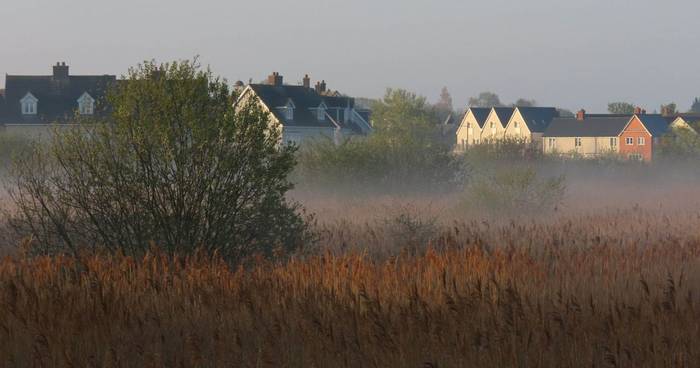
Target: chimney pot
x,y
581,115
637,110
307,81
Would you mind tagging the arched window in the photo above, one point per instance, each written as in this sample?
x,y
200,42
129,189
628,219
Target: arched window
x,y
321,112
29,104
86,104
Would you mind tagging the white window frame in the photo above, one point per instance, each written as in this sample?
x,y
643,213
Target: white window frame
x,y
641,141
86,104
321,112
613,142
629,141
29,104
552,142
577,142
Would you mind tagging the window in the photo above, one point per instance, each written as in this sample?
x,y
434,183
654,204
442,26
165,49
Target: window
x,y
629,141
640,141
552,142
86,104
577,142
515,125
29,104
289,113
469,125
493,125
613,142
635,156
321,112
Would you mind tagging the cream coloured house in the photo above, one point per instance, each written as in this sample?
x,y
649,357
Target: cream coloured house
x,y
495,124
527,124
469,130
303,113
586,136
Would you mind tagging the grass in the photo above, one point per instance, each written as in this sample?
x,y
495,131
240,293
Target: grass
x,y
612,289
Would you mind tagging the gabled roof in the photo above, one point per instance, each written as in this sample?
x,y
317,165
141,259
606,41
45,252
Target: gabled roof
x,y
538,119
306,101
57,98
597,126
504,113
480,114
657,125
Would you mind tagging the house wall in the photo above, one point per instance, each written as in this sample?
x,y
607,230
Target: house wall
x,y
300,135
468,132
590,146
493,128
517,129
635,129
40,132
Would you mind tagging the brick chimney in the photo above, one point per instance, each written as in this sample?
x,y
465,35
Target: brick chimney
x,y
307,81
637,110
321,87
274,79
581,115
60,71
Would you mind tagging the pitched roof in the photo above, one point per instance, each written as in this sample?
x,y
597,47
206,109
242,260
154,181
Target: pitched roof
x,y
58,97
480,114
657,125
597,126
538,119
306,100
504,113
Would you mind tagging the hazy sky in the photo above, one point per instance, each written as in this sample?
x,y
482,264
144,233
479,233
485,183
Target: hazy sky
x,y
571,54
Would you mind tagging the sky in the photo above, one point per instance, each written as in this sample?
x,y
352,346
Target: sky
x,y
569,54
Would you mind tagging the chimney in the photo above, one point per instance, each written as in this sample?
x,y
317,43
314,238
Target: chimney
x,y
274,79
321,87
60,71
637,110
307,81
581,115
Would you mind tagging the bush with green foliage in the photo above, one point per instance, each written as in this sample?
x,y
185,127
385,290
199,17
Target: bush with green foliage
x,y
405,151
176,165
515,190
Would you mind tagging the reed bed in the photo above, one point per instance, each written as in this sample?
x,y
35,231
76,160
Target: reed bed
x,y
611,290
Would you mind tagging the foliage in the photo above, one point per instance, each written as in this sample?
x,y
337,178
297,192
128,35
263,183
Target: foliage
x,y
669,109
603,290
485,99
680,143
12,145
564,113
695,107
507,149
405,151
176,164
523,102
515,190
621,108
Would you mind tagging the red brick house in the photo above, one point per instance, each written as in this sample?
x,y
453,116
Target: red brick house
x,y
639,136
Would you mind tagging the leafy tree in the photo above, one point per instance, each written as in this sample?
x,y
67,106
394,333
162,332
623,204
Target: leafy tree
x,y
621,108
405,151
669,109
176,164
695,107
485,99
521,102
445,100
680,143
564,113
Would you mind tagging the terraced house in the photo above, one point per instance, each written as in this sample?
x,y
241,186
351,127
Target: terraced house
x,y
303,113
632,137
31,102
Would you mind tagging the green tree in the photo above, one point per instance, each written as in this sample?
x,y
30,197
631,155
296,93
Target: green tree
x,y
621,108
485,99
669,109
176,164
695,107
564,113
522,102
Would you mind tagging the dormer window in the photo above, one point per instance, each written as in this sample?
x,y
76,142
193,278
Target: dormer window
x,y
287,110
321,112
86,104
29,104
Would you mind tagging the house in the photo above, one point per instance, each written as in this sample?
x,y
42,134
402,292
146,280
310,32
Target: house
x,y
632,137
303,112
689,121
585,135
469,130
54,98
495,124
527,124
